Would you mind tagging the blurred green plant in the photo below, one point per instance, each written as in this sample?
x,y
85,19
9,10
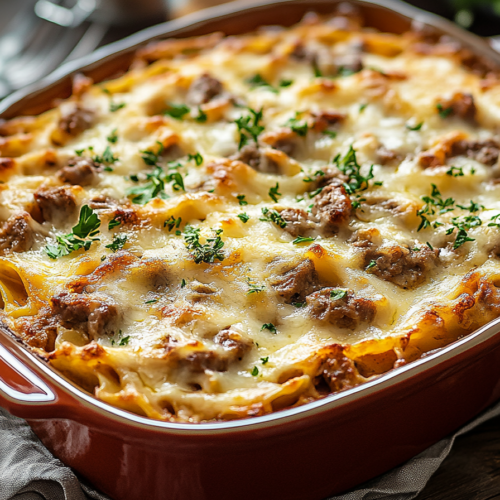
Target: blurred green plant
x,y
464,9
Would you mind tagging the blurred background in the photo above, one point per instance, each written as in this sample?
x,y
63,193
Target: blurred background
x,y
37,36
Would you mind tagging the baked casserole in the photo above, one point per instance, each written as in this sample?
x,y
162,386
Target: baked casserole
x,y
242,224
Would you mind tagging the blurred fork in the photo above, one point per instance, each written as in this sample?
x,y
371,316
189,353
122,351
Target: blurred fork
x,y
43,35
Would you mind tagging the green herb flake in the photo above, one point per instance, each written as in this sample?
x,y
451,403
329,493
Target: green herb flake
x,y
257,81
197,158
273,216
115,106
270,327
255,371
338,294
243,217
113,137
241,199
183,283
118,242
172,223
414,128
371,264
265,360
348,165
124,341
274,193
444,112
254,288
113,223
301,239
299,304
176,111
300,127
208,252
152,301
455,171
429,245
330,133
87,227
362,107
285,83
249,127
201,117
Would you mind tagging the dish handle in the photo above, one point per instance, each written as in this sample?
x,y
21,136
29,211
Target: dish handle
x,y
21,390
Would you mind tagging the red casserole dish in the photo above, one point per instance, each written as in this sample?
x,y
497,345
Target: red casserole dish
x,y
308,452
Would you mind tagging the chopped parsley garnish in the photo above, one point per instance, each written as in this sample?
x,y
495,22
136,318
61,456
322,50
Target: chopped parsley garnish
x,y
432,203
330,133
443,112
79,152
494,223
183,283
272,216
113,223
107,158
362,107
253,288
115,106
463,225
118,242
113,137
241,199
312,194
473,207
455,171
255,371
270,327
349,166
208,252
318,173
177,181
338,294
87,227
371,264
414,128
301,239
124,341
299,304
316,70
201,117
176,111
258,81
154,187
300,127
429,245
285,83
265,360
249,127
150,157
156,180
274,194
243,217
172,222
198,159
152,301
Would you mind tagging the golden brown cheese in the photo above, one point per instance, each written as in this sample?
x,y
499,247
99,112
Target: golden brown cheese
x,y
239,225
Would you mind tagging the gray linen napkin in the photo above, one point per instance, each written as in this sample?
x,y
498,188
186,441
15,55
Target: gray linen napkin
x,y
28,471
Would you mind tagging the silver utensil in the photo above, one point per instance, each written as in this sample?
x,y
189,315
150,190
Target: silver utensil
x,y
43,34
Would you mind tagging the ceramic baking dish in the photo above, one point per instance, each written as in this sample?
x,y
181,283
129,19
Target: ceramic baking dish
x,y
304,453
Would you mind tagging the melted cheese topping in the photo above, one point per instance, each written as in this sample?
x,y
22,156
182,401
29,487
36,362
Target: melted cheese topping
x,y
271,259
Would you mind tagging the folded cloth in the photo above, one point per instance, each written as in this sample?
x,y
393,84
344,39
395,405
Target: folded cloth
x,y
28,471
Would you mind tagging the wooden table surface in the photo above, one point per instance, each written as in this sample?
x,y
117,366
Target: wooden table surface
x,y
472,469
